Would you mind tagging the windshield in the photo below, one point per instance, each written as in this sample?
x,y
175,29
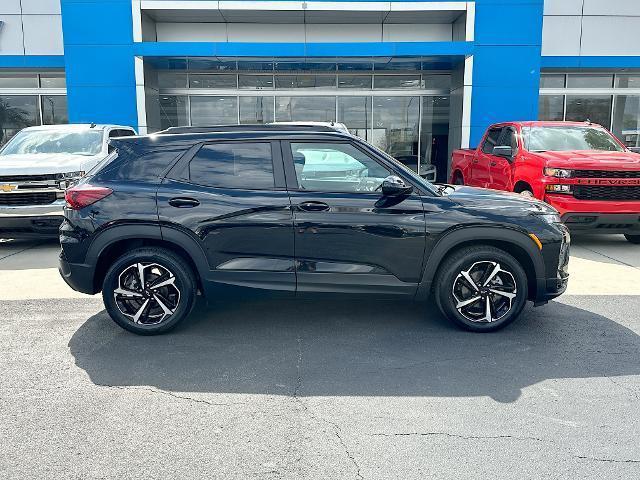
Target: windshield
x,y
85,142
563,139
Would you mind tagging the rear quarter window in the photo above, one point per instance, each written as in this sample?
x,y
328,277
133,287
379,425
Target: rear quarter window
x,y
134,163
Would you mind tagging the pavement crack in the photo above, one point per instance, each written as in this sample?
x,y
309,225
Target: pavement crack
x,y
173,395
605,460
336,428
453,435
625,388
610,258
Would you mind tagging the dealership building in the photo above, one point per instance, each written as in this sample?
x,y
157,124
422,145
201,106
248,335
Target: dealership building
x,y
416,78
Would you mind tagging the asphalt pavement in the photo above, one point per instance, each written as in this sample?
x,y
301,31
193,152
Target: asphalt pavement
x,y
329,388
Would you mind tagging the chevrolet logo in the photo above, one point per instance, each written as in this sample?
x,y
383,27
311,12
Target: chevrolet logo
x,y
8,188
608,181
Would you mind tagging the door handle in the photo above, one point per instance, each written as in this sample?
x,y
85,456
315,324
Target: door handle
x,y
313,206
493,164
184,202
475,160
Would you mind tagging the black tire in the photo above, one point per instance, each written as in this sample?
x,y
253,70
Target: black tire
x,y
635,239
458,180
161,266
478,263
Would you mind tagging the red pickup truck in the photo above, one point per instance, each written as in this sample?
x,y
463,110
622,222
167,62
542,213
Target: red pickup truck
x,y
581,169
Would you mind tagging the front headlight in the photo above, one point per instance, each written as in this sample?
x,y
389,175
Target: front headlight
x,y
549,217
558,172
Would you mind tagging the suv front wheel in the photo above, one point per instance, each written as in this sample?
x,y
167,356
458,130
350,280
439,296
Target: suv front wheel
x,y
149,290
481,288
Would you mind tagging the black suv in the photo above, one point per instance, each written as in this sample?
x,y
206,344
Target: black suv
x,y
297,209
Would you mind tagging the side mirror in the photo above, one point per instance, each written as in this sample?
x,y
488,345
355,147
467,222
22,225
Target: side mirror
x,y
394,186
503,151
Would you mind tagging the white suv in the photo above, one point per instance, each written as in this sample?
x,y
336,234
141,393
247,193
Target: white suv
x,y
38,164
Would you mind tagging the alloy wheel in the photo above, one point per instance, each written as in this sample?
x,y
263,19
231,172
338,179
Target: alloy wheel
x,y
147,293
484,292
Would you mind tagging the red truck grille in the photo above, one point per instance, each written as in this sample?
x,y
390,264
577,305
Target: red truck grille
x,y
606,174
599,192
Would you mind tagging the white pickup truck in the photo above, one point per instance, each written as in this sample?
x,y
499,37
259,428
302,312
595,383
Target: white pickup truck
x,y
38,164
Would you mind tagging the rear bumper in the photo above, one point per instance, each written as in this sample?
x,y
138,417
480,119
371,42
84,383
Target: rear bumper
x,y
597,216
77,276
31,220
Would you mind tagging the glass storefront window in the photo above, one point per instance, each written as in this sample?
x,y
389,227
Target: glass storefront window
x,y
53,81
437,82
551,107
596,108
256,109
255,82
16,113
286,82
589,81
394,82
396,126
174,111
434,136
213,81
19,80
54,109
628,81
363,82
301,109
172,80
210,110
552,80
355,113
626,119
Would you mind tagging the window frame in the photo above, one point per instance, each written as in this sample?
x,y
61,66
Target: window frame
x,y
292,178
181,171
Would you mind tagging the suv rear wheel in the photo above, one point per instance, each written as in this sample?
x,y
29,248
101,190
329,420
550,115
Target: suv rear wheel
x,y
481,288
149,290
633,238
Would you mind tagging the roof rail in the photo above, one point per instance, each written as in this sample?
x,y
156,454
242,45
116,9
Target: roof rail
x,y
247,128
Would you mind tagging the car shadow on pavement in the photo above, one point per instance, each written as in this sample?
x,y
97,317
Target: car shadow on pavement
x,y
355,348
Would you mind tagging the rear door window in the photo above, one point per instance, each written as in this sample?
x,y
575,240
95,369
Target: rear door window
x,y
234,165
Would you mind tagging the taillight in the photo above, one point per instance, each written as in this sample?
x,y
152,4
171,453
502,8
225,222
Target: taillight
x,y
84,195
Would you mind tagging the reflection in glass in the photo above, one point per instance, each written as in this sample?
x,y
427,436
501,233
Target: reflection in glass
x,y
54,109
355,113
390,82
16,113
628,81
589,81
395,128
173,111
434,137
286,82
256,109
436,82
255,82
172,80
596,108
207,111
626,119
213,81
301,109
53,81
19,80
551,107
355,81
552,80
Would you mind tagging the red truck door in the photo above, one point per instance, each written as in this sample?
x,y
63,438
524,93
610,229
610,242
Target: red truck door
x,y
481,168
501,166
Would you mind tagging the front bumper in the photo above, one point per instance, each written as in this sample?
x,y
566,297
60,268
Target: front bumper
x,y
597,216
31,220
